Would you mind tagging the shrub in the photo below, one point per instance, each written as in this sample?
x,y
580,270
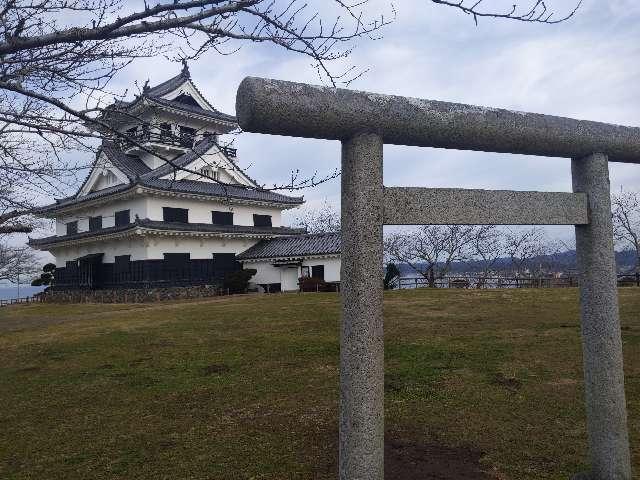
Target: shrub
x,y
237,282
49,268
390,276
312,284
46,278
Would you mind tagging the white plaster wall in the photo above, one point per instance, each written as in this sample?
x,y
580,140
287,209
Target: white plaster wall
x,y
153,247
331,267
106,179
111,248
266,273
137,205
154,162
200,210
157,246
289,278
223,176
228,171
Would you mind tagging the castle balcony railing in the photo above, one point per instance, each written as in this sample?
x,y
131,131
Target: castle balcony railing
x,y
167,140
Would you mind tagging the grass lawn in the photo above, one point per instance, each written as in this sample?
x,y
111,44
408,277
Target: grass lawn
x,y
481,384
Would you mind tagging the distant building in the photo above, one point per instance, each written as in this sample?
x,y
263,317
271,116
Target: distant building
x,y
284,260
139,221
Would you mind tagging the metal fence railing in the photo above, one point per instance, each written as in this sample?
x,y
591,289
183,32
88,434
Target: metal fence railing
x,y
480,282
13,301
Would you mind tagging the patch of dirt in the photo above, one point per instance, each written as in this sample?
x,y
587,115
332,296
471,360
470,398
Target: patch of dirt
x,y
162,343
216,369
32,369
139,361
511,383
563,382
405,460
392,384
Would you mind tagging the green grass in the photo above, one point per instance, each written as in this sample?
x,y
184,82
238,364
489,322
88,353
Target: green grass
x,y
246,387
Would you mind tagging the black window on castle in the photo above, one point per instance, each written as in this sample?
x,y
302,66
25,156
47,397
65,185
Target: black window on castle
x,y
123,217
262,220
122,263
317,271
165,131
224,263
222,218
177,215
95,223
72,227
187,135
177,259
177,266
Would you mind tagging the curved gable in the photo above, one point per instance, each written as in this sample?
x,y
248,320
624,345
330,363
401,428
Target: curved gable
x,y
212,166
103,175
188,94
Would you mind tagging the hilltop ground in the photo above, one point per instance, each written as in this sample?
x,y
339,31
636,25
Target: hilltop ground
x,y
479,385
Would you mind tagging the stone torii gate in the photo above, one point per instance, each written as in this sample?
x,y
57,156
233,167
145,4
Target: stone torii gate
x,y
363,122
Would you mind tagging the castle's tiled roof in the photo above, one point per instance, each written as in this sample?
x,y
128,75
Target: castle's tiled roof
x,y
130,165
105,192
221,190
210,189
294,247
169,85
155,94
240,230
194,109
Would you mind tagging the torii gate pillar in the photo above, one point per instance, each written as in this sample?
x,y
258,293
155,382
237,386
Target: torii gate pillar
x,y
361,336
601,338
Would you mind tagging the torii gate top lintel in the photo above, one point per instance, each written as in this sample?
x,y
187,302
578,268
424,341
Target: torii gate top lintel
x,y
363,122
299,110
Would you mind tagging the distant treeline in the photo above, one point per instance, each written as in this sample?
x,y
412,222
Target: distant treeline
x,y
562,262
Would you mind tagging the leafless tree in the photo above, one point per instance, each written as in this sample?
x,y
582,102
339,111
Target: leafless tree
x,y
524,248
626,221
325,219
556,259
58,58
431,250
17,263
488,247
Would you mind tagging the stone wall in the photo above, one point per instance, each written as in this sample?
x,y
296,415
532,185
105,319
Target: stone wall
x,y
138,295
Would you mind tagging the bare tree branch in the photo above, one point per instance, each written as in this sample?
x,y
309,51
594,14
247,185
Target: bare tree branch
x,y
16,263
537,12
626,221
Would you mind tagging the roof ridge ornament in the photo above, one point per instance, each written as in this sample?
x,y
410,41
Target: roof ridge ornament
x,y
185,68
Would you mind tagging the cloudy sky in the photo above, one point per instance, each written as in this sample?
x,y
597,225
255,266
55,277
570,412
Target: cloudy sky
x,y
587,68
